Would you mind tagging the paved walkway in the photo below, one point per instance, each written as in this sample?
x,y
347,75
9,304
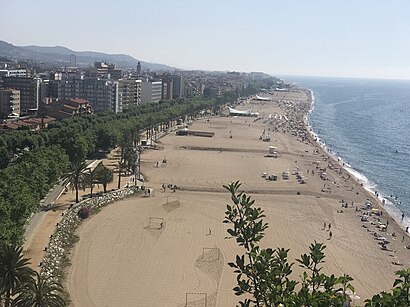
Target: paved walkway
x,y
42,224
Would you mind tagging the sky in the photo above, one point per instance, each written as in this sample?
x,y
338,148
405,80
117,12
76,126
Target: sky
x,y
349,38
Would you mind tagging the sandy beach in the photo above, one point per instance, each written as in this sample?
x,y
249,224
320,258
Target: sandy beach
x,y
171,249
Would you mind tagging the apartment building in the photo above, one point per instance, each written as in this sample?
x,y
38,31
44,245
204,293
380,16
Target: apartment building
x,y
9,103
29,92
151,91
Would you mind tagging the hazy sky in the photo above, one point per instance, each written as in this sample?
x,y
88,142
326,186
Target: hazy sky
x,y
358,38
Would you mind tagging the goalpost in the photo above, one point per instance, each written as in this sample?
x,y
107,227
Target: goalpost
x,y
194,297
156,222
172,200
210,254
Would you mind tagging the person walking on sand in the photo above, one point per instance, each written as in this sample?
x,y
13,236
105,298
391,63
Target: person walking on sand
x,y
330,225
324,226
402,217
330,235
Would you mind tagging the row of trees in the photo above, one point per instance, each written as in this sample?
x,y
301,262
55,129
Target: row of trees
x,y
33,161
23,185
265,274
90,135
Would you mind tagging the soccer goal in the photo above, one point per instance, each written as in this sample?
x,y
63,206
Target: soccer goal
x,y
172,200
156,223
196,299
210,254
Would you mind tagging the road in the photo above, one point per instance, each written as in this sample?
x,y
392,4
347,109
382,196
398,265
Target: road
x,y
38,217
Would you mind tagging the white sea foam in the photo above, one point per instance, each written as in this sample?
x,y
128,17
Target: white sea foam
x,y
368,185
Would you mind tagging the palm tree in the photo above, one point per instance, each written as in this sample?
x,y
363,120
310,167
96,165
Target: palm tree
x,y
91,178
76,176
14,271
104,176
39,292
121,167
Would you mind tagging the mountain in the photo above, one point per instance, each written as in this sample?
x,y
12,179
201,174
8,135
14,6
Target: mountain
x,y
61,56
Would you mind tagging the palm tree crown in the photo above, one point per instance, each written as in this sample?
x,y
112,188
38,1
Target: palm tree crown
x,y
39,292
14,270
76,176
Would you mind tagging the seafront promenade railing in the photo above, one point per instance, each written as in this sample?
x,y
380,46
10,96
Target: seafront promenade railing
x,y
64,237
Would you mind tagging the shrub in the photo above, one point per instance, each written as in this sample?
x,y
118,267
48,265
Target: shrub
x,y
84,212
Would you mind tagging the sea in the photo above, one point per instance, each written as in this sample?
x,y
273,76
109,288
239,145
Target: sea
x,y
366,124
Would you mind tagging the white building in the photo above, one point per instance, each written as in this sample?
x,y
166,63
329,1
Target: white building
x,y
151,91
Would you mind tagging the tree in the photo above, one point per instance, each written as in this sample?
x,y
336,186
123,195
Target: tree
x,y
106,137
104,176
39,292
400,295
5,157
263,274
121,167
75,145
90,178
14,270
76,177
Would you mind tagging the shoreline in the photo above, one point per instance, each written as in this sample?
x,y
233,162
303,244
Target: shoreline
x,y
390,208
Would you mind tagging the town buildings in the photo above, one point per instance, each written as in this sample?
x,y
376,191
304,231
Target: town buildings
x,y
108,88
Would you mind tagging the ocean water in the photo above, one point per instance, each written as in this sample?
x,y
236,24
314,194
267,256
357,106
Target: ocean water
x,y
366,123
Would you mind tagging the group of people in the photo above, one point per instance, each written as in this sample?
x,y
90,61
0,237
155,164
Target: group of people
x,y
170,186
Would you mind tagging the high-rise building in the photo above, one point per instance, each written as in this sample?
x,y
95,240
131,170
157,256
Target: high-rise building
x,y
73,60
177,87
151,91
9,103
29,92
167,88
102,94
139,69
129,93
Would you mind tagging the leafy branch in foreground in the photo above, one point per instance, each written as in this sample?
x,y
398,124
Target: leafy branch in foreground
x,y
400,296
263,274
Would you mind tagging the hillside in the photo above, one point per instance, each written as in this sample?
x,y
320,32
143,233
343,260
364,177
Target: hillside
x,y
60,55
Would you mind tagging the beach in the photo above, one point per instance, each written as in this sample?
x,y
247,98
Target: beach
x,y
171,247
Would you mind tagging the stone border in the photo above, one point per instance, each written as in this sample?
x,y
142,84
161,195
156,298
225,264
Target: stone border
x,y
64,237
